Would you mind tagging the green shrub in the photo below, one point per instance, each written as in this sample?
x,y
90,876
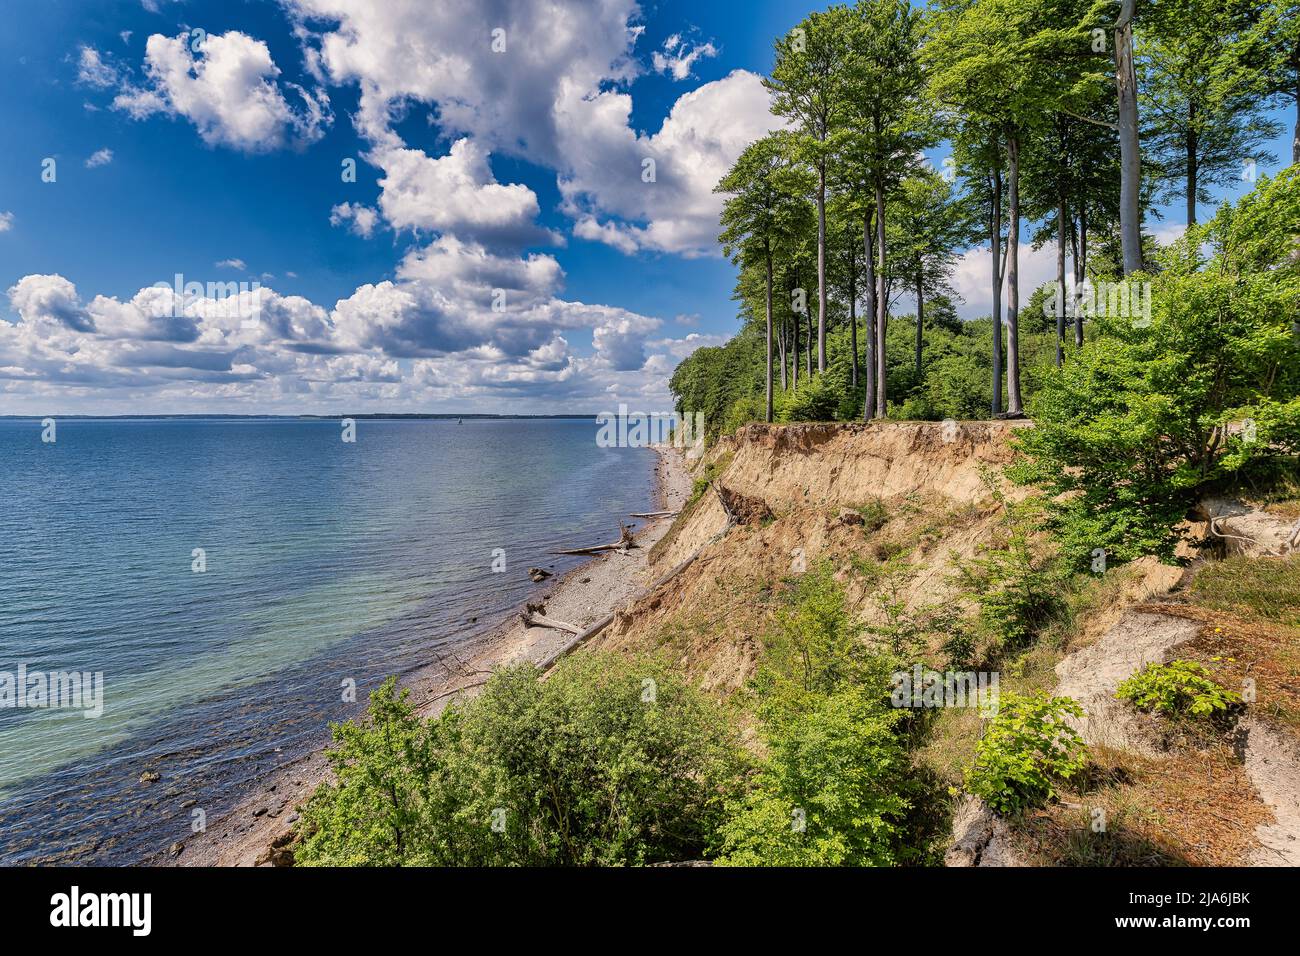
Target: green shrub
x,y
874,515
813,400
1026,750
1178,689
833,792
1136,425
1019,589
609,761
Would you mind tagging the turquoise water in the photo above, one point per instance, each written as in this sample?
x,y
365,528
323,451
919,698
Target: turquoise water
x,y
324,560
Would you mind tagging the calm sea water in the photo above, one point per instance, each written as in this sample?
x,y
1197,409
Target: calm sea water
x,y
324,561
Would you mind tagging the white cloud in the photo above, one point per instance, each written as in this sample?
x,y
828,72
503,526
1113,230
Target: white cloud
x,y
973,278
456,193
6,221
361,219
100,157
93,70
229,91
238,264
706,130
49,302
441,54
677,57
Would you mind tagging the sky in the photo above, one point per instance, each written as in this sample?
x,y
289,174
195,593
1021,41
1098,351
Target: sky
x,y
331,206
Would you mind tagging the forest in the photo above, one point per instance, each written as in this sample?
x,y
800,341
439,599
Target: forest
x,y
914,135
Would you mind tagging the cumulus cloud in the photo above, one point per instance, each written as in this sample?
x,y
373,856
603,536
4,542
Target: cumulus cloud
x,y
677,56
442,54
100,157
359,218
228,88
237,264
453,193
6,221
49,302
605,180
468,314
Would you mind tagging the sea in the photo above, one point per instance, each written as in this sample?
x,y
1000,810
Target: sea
x,y
222,580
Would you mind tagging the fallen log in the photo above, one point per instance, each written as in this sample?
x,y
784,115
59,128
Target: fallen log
x,y
533,619
654,514
626,540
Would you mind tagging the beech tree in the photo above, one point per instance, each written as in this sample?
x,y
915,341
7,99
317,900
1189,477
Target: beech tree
x,y
757,216
1268,56
884,85
1205,123
933,223
805,84
1001,61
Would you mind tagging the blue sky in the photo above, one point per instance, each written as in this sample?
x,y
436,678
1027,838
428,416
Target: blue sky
x,y
498,250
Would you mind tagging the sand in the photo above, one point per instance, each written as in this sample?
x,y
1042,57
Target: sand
x,y
244,835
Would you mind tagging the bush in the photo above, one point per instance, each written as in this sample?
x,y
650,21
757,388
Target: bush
x,y
1018,590
838,786
833,792
1136,425
813,400
1178,689
1026,750
609,761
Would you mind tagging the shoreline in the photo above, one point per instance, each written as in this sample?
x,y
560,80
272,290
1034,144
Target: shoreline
x,y
245,834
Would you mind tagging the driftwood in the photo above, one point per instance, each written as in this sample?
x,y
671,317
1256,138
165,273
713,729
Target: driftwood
x,y
594,629
654,514
533,619
625,541
546,664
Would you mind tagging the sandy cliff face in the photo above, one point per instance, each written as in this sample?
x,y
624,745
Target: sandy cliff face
x,y
786,497
846,464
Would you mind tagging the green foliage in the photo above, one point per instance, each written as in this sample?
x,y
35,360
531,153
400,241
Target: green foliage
x,y
706,477
1178,689
832,792
1019,587
838,786
609,761
814,400
1026,750
1135,425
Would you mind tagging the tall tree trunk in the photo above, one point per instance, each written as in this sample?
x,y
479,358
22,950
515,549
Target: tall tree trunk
x,y
1295,137
1191,164
1081,270
869,401
920,320
794,352
995,243
1014,403
882,304
853,324
1130,172
809,352
768,256
1060,279
821,268
780,342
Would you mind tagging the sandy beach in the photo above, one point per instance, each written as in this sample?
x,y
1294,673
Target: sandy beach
x,y
244,835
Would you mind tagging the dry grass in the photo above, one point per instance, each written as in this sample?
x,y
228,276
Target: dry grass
x,y
1191,807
